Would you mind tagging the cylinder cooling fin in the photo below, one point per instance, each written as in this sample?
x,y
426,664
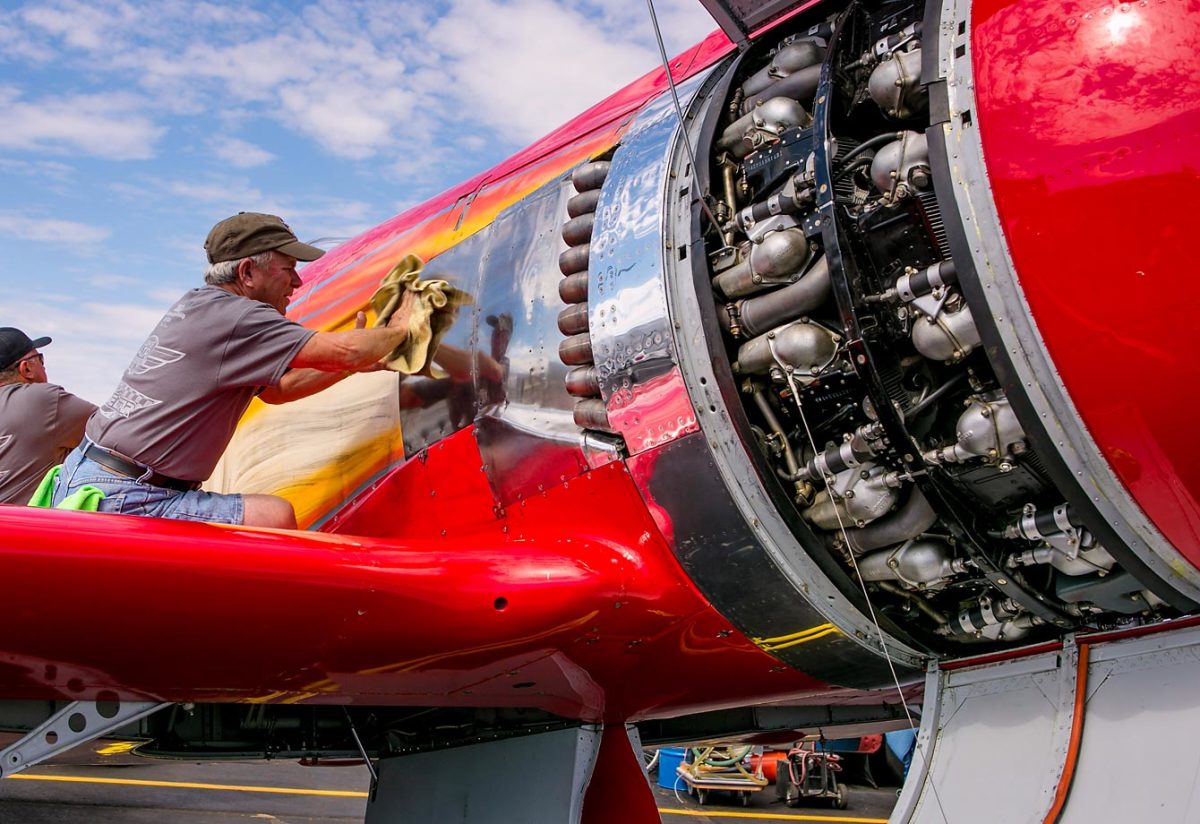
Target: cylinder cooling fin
x,y
829,324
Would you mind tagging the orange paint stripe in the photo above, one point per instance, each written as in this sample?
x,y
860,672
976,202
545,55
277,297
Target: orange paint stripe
x,y
1068,773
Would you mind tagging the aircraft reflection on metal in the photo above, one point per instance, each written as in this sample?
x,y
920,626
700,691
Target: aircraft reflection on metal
x,y
866,357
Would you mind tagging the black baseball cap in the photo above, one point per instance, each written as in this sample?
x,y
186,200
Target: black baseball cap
x,y
251,233
15,344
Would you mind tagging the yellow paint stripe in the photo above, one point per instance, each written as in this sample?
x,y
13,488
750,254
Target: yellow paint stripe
x,y
187,785
772,816
794,635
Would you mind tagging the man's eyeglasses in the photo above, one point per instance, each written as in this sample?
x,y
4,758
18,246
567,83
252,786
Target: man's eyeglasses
x,y
37,356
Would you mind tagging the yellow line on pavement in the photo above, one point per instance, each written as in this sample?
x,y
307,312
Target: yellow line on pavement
x,y
773,816
187,785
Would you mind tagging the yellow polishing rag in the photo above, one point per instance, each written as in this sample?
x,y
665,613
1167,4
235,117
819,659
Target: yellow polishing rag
x,y
437,304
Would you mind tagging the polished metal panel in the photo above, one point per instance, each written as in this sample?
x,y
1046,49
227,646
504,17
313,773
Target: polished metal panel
x,y
526,428
628,318
432,408
519,292
514,388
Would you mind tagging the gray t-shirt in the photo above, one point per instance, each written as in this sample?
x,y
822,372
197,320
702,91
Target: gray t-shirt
x,y
181,397
39,424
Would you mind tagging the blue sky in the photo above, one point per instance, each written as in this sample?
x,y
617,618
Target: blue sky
x,y
129,128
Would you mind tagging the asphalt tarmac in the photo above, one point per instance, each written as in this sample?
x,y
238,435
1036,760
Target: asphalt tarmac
x,y
270,792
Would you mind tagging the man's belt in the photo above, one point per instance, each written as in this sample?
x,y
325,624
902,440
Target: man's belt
x,y
129,469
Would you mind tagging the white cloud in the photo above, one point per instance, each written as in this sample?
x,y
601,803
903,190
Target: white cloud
x,y
108,281
16,45
227,194
241,153
50,230
361,77
76,24
527,66
542,63
108,125
312,217
165,296
346,116
45,169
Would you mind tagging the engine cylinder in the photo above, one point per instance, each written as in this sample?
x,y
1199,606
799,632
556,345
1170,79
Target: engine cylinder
x,y
764,122
804,346
778,259
787,61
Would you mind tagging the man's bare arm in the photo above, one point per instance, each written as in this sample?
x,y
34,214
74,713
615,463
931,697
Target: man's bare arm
x,y
358,349
328,357
300,383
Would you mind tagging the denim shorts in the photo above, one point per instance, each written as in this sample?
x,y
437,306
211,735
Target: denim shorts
x,y
129,496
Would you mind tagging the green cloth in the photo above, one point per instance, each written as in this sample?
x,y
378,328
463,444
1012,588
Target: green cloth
x,y
85,499
436,307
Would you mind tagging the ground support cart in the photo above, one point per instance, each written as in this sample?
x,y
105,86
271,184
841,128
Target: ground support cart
x,y
808,774
717,769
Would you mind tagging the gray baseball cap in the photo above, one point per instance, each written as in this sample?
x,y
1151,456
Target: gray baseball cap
x,y
251,233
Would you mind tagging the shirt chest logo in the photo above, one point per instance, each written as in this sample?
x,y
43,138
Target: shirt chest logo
x,y
152,356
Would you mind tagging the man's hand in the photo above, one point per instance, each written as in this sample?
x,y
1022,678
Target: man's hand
x,y
402,317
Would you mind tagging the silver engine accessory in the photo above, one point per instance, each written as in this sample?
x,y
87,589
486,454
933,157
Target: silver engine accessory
x,y
858,496
857,447
988,429
926,288
762,125
950,335
796,195
921,563
944,329
895,41
991,619
807,348
1069,548
895,84
902,166
777,260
